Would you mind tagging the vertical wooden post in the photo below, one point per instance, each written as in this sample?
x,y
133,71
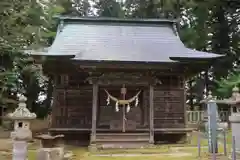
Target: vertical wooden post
x,y
184,104
124,92
151,114
94,111
64,110
145,107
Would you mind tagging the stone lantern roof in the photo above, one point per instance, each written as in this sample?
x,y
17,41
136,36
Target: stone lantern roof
x,y
21,112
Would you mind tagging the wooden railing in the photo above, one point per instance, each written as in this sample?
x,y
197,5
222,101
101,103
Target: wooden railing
x,y
194,117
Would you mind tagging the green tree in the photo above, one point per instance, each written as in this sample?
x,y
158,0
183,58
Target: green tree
x,y
24,26
225,40
74,7
225,85
109,8
15,36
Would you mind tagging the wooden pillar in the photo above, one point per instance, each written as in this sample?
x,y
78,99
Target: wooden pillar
x,y
151,114
94,111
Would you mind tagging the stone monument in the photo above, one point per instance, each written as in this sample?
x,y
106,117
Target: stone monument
x,y
22,133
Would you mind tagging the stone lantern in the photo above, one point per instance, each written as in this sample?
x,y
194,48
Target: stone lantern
x,y
234,118
22,133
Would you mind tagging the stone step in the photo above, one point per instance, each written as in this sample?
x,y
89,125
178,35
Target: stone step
x,y
122,140
124,136
119,145
127,134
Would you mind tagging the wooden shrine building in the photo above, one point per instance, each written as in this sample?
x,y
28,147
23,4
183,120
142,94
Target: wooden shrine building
x,y
120,82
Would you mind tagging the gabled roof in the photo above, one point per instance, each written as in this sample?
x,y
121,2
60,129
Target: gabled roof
x,y
108,39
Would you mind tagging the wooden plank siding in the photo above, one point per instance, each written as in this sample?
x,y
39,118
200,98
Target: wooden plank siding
x,y
75,110
73,105
169,108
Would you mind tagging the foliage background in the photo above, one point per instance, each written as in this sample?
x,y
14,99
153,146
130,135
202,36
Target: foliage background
x,y
25,25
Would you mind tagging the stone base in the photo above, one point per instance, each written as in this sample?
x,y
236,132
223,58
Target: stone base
x,y
50,154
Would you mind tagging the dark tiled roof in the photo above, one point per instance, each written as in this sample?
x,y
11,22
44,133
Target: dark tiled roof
x,y
120,40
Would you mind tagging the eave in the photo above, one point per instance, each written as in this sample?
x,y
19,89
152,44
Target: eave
x,y
197,59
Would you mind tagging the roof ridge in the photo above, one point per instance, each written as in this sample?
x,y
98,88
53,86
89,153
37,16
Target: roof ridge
x,y
119,20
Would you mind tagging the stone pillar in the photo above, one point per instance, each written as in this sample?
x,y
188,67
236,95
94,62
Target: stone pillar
x,y
211,123
20,143
235,123
22,133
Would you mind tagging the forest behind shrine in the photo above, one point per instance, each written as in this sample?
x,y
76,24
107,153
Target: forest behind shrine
x,y
212,26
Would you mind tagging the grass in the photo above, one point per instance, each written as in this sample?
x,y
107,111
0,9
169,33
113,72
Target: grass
x,y
163,151
194,140
229,137
32,155
138,158
81,154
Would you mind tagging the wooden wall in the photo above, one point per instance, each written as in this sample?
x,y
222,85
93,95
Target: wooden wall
x,y
169,111
72,106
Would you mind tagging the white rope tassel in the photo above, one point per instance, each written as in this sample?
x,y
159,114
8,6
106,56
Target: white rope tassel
x,y
136,102
108,100
117,108
128,108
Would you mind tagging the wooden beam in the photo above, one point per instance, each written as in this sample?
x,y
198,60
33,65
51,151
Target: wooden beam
x,y
184,103
124,65
94,111
151,114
